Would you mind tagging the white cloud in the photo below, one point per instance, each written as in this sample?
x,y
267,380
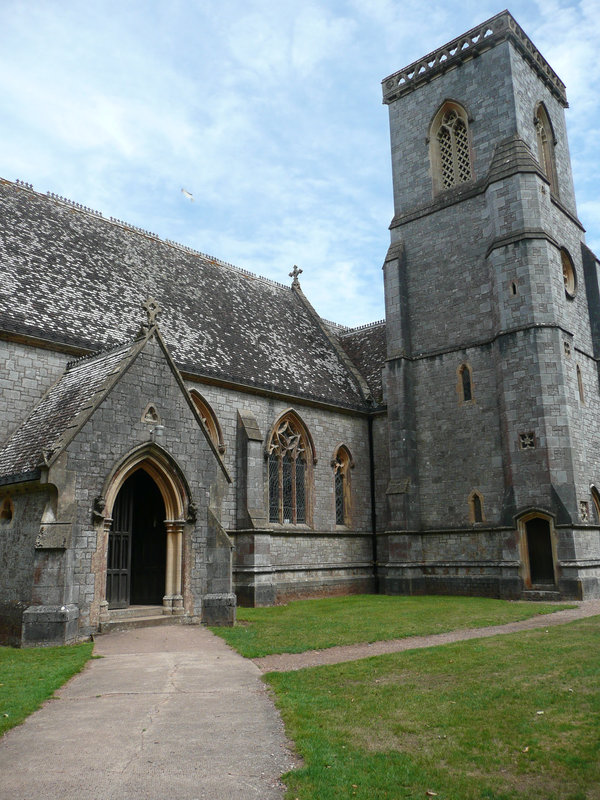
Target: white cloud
x,y
269,113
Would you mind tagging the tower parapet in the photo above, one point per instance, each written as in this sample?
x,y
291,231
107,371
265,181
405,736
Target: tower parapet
x,y
470,45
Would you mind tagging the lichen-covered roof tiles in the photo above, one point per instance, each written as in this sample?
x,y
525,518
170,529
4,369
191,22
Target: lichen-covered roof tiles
x,y
366,348
75,278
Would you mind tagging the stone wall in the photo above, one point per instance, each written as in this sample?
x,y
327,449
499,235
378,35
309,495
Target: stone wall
x,y
114,430
273,561
474,276
17,557
27,373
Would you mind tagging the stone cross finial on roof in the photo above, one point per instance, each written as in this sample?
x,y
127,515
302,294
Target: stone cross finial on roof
x,y
152,308
294,274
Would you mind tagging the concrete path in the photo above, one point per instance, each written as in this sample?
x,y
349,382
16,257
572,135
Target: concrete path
x,y
286,662
167,712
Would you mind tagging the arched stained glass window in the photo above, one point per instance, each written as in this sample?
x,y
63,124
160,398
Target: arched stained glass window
x,y
342,463
290,456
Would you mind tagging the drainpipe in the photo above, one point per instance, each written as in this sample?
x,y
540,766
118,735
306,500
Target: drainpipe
x,y
373,508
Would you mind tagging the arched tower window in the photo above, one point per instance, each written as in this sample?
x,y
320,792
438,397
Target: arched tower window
x,y
464,386
342,464
568,271
210,420
450,149
290,455
476,507
596,499
580,385
545,142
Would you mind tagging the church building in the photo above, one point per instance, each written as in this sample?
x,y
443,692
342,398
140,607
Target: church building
x,y
179,436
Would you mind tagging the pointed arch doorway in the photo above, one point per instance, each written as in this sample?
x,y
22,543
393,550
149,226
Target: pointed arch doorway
x,y
137,544
144,507
538,551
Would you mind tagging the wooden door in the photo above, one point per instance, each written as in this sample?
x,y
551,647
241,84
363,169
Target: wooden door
x,y
118,566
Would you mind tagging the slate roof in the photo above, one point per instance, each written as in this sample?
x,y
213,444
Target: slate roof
x,y
73,277
39,436
367,348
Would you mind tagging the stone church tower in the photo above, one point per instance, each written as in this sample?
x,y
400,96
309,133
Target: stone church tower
x,y
493,330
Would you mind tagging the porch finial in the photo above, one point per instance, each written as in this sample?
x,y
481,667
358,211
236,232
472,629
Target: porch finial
x,y
152,308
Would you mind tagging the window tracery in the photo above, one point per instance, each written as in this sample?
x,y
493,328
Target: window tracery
x,y
451,149
527,441
342,464
290,456
151,415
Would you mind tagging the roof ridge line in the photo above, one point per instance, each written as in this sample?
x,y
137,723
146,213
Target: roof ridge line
x,y
171,242
335,324
363,327
102,352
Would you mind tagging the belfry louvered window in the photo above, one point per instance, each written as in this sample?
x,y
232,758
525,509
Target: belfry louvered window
x,y
451,150
289,455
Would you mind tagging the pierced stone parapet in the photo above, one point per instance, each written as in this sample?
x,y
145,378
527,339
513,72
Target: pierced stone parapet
x,y
476,41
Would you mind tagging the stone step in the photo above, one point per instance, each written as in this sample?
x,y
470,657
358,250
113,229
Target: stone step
x,y
130,623
135,611
541,594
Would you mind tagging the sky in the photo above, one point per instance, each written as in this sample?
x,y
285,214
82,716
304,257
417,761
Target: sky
x,y
267,112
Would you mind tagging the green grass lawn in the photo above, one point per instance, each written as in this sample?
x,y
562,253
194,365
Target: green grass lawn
x,y
513,717
315,624
30,676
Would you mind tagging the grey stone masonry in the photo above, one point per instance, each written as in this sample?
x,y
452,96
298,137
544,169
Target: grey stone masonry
x,y
26,375
488,429
89,427
273,561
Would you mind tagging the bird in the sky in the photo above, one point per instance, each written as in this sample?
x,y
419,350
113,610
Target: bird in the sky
x,y
187,195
